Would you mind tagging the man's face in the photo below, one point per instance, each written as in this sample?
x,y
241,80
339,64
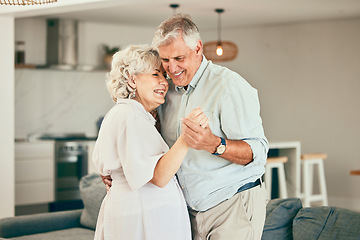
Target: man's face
x,y
179,61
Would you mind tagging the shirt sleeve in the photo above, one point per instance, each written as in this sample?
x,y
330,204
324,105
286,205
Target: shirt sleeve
x,y
240,118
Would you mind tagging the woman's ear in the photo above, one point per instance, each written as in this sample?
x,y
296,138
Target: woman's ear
x,y
132,82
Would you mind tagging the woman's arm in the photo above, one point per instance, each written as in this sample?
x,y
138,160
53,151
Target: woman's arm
x,y
170,162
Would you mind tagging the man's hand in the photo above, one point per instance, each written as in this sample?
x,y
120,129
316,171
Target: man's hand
x,y
197,133
107,180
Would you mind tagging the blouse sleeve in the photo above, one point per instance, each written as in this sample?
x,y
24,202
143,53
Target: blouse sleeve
x,y
140,146
130,142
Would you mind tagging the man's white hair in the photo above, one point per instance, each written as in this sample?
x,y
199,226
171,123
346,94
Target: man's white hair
x,y
170,29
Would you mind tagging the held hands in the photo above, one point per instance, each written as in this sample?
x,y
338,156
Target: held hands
x,y
198,117
197,133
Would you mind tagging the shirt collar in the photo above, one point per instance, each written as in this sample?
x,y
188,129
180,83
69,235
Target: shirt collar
x,y
192,85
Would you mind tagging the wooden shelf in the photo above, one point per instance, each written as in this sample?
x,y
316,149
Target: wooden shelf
x,y
25,66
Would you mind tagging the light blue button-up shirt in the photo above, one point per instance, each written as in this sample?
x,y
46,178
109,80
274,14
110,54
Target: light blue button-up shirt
x,y
233,109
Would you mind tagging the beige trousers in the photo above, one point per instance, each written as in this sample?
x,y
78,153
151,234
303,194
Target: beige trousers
x,y
240,217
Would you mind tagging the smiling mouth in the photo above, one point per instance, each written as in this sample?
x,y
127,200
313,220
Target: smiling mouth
x,y
160,92
178,74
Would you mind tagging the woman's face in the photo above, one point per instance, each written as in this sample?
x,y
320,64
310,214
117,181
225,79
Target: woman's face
x,y
151,89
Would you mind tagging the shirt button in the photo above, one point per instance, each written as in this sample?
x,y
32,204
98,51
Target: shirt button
x,y
182,187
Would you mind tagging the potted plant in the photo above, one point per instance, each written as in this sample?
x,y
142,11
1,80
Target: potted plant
x,y
109,52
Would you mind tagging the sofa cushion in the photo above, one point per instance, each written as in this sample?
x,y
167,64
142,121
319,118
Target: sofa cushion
x,y
92,191
67,234
326,223
279,218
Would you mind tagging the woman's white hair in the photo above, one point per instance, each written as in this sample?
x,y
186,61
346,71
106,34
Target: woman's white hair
x,y
126,64
170,29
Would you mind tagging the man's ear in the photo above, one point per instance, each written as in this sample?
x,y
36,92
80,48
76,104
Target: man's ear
x,y
199,48
132,82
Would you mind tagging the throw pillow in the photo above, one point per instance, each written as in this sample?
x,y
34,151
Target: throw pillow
x,y
279,218
327,223
92,191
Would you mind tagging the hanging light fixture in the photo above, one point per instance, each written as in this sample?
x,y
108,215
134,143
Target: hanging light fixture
x,y
174,6
25,2
220,51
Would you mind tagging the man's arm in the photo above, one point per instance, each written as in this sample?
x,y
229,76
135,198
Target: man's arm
x,y
237,151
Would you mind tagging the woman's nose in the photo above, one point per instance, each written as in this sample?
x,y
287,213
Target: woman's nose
x,y
163,81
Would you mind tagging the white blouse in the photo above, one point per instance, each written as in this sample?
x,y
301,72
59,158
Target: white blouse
x,y
128,148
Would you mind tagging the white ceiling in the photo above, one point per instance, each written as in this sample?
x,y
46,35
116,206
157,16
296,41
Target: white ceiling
x,y
238,13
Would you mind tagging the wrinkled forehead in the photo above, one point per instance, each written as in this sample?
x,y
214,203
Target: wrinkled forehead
x,y
177,48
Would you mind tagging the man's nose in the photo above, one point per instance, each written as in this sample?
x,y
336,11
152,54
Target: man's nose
x,y
172,67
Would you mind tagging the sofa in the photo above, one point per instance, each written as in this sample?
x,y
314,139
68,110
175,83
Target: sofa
x,y
285,219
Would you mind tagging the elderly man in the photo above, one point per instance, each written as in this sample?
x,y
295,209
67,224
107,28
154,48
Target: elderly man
x,y
221,183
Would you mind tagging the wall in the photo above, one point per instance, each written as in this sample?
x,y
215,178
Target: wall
x,y
35,44
308,78
50,101
7,182
91,37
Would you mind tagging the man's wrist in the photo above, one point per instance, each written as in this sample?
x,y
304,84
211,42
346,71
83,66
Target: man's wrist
x,y
220,149
218,142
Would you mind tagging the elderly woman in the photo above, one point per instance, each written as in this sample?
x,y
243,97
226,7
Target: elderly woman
x,y
145,201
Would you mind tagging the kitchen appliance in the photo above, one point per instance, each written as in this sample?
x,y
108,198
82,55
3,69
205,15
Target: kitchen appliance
x,y
61,50
71,164
71,161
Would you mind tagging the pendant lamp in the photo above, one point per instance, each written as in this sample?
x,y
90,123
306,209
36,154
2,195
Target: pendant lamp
x,y
174,6
220,51
25,2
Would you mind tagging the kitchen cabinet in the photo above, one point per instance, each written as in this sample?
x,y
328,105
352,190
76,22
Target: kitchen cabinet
x,y
34,172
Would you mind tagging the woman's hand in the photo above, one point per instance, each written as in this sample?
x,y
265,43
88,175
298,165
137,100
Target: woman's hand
x,y
198,117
